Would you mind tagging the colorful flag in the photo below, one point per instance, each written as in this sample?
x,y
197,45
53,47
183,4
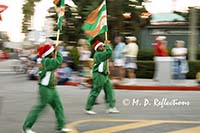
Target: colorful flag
x,y
70,3
96,22
60,9
2,8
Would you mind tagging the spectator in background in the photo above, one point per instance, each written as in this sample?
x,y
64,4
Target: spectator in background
x,y
63,74
86,75
118,56
180,65
160,50
114,73
33,72
160,46
84,51
198,78
130,52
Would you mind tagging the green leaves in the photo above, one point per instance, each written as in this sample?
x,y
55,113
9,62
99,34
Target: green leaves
x,y
28,11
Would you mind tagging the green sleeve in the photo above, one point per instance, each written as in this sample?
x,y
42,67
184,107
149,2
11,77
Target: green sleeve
x,y
103,56
53,63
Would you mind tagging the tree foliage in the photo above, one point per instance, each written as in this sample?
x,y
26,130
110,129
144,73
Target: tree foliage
x,y
28,11
117,23
187,16
3,38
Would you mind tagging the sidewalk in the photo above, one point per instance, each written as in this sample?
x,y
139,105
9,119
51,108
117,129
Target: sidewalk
x,y
150,84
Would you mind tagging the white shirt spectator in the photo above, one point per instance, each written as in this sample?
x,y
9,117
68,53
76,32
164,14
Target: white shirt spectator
x,y
179,53
131,50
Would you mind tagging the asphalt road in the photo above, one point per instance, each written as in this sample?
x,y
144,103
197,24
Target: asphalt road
x,y
140,111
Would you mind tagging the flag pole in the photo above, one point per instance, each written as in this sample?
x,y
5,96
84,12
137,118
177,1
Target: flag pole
x,y
106,38
57,41
60,9
57,37
106,35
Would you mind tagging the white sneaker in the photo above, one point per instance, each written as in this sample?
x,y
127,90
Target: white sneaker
x,y
112,110
29,131
64,130
90,112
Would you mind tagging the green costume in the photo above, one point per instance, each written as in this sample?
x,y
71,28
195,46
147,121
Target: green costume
x,y
101,79
47,93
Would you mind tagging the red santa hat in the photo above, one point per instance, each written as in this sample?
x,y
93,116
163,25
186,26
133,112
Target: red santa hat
x,y
45,50
97,44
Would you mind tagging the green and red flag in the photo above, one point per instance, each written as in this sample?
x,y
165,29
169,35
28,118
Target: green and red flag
x,y
96,22
60,9
2,8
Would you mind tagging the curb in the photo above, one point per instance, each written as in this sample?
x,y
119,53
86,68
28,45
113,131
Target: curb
x,y
159,88
70,83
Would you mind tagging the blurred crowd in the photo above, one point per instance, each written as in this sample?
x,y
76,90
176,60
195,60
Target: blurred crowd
x,y
123,61
122,65
179,65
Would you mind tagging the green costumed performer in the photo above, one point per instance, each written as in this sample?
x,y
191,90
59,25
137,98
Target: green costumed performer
x,y
100,74
47,92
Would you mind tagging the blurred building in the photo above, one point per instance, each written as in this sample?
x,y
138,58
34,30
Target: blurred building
x,y
171,25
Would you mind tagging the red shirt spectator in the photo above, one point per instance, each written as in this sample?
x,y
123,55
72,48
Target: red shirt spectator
x,y
160,50
160,46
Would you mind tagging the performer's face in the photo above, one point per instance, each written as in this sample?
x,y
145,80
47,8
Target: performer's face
x,y
101,48
51,55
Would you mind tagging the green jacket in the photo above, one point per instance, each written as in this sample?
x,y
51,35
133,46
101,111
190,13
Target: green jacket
x,y
100,60
49,65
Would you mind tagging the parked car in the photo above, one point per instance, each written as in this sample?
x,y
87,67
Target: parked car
x,y
4,55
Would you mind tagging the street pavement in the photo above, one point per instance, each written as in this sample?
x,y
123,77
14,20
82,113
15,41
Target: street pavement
x,y
6,65
140,111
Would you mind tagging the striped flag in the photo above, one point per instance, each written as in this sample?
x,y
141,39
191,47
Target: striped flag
x,y
70,3
2,8
96,22
60,9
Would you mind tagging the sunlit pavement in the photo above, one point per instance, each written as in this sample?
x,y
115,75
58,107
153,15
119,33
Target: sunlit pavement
x,y
140,111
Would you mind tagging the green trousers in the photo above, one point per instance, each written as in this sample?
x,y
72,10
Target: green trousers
x,y
100,82
46,96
